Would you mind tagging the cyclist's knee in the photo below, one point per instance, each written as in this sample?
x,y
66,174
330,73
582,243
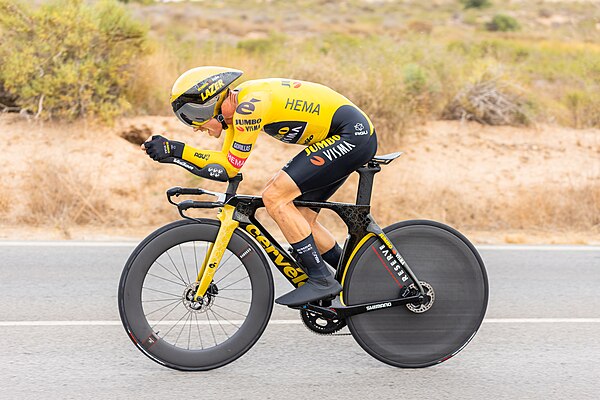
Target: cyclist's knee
x,y
280,191
273,199
309,215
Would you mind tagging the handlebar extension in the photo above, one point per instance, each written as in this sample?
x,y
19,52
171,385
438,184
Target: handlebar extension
x,y
187,204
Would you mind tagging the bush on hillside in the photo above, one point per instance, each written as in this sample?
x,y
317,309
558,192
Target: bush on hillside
x,y
475,3
68,58
584,108
490,102
503,23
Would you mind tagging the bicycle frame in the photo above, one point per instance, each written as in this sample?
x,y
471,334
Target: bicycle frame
x,y
239,211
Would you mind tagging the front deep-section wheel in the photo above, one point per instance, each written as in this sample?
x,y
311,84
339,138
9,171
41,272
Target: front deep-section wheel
x,y
452,274
156,297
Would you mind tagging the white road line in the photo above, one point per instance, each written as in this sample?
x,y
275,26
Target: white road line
x,y
297,321
67,243
129,243
548,247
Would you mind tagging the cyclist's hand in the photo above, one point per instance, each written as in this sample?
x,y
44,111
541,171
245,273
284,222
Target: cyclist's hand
x,y
159,148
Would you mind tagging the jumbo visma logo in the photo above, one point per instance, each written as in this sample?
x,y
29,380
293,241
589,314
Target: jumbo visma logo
x,y
330,149
318,161
313,148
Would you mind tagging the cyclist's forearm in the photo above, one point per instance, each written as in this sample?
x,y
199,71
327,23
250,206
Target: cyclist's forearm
x,y
202,158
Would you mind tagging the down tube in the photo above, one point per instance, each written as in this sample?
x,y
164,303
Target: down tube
x,y
293,273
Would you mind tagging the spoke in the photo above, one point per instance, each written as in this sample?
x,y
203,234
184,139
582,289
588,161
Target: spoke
x,y
199,334
219,322
239,280
152,301
188,315
225,308
211,329
172,262
165,279
165,316
165,268
190,332
227,259
233,289
226,320
230,272
176,323
160,291
229,298
163,307
184,266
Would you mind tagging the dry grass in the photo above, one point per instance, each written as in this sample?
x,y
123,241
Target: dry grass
x,y
5,200
541,208
548,208
62,197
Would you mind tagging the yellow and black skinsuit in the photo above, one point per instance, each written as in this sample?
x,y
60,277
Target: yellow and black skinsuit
x,y
338,135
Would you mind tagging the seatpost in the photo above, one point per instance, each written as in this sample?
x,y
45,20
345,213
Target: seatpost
x,y
365,183
233,185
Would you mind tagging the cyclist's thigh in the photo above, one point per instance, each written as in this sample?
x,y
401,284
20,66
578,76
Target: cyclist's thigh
x,y
322,194
325,165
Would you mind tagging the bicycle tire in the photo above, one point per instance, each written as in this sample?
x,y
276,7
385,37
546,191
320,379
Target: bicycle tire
x,y
438,255
134,297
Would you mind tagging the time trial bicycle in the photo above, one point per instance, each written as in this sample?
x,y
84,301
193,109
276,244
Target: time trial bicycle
x,y
198,293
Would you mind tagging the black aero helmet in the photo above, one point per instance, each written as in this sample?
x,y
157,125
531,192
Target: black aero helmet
x,y
197,94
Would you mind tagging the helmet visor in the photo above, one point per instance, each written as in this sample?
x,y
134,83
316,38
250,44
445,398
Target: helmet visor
x,y
194,114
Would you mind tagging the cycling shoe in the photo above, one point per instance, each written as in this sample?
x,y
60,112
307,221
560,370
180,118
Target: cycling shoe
x,y
314,289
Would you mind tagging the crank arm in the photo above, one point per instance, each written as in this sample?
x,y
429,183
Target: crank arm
x,y
325,312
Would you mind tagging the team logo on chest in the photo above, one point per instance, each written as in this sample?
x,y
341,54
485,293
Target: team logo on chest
x,y
286,131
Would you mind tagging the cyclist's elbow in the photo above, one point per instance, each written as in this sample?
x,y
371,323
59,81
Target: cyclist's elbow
x,y
231,171
234,164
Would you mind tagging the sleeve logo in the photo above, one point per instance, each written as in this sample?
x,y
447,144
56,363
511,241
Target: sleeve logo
x,y
242,147
235,160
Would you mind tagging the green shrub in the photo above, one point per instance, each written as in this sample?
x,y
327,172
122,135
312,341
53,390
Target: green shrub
x,y
503,23
476,3
584,108
415,79
262,45
68,58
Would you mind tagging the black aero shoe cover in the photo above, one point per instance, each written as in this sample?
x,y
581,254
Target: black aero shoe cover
x,y
314,289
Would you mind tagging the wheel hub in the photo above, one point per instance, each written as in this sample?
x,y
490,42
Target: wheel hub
x,y
427,302
204,303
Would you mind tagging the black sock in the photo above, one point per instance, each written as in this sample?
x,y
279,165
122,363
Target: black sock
x,y
310,258
333,255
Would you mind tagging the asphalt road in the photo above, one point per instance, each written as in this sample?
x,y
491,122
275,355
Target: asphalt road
x,y
61,337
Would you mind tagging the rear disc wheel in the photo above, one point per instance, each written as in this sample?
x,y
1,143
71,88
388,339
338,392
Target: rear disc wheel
x,y
413,336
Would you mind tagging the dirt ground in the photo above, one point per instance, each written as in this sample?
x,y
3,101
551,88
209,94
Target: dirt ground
x,y
496,184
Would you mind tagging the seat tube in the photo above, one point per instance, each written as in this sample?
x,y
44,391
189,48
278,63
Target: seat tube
x,y
365,184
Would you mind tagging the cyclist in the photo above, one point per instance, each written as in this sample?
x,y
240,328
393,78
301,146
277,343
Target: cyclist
x,y
338,139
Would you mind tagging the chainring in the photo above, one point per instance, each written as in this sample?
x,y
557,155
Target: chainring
x,y
320,325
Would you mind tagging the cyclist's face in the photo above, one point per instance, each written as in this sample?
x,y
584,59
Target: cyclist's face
x,y
212,126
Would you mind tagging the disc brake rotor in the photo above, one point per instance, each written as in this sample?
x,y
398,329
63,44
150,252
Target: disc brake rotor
x,y
203,304
421,308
